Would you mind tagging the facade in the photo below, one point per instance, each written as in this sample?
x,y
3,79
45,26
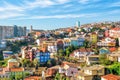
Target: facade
x,y
92,59
114,32
7,54
74,41
28,53
67,42
81,41
104,51
13,63
11,32
93,37
69,69
43,56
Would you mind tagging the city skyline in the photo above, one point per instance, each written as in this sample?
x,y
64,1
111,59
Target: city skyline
x,y
52,14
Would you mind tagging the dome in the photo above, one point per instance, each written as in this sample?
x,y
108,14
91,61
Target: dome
x,y
12,60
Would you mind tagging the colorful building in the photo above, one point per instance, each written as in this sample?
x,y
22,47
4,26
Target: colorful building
x,y
7,54
93,37
43,56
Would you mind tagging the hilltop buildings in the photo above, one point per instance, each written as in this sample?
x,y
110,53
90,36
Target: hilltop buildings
x,y
12,31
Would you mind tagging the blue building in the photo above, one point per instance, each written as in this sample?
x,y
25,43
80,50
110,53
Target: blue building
x,y
104,51
7,54
43,56
74,42
81,41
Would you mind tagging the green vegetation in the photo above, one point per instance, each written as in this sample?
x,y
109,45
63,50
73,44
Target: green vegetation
x,y
15,46
103,59
115,68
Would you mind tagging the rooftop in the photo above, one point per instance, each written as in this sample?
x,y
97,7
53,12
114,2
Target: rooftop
x,y
111,77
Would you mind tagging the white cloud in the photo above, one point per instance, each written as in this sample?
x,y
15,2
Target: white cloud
x,y
10,15
59,16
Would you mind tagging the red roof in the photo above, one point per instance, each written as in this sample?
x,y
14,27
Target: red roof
x,y
32,78
111,77
116,29
112,49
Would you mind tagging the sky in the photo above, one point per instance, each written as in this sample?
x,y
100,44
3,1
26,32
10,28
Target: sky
x,y
52,14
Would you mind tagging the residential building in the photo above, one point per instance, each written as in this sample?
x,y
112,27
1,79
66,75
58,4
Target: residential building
x,y
110,77
52,71
67,42
114,57
78,24
74,41
81,53
93,37
7,54
89,73
104,50
33,78
43,56
28,53
69,69
12,31
12,63
81,41
60,44
114,32
92,59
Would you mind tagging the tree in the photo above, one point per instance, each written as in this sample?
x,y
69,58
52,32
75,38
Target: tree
x,y
115,68
103,59
35,62
12,77
18,77
49,63
60,51
117,42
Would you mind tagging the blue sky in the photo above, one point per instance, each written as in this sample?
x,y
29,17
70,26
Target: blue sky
x,y
52,14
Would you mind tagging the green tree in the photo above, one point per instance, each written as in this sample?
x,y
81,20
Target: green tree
x,y
103,59
115,68
12,77
61,51
18,77
36,62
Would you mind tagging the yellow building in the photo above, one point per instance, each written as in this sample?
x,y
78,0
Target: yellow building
x,y
93,37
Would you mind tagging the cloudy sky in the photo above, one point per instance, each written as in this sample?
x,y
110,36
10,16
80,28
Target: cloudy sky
x,y
51,14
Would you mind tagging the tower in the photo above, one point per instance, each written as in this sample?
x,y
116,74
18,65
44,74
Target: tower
x,y
31,28
78,24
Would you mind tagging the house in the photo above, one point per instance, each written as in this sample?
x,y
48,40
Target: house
x,y
43,56
82,76
81,41
114,32
114,57
33,78
104,50
92,59
52,47
74,41
81,53
60,44
13,63
95,70
67,42
52,70
90,73
28,53
110,77
69,69
7,54
93,37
